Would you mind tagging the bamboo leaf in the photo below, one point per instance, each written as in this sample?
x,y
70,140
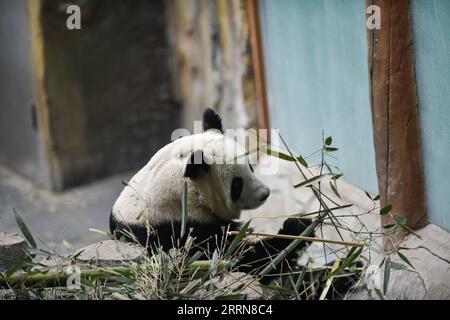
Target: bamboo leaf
x,y
278,154
197,255
238,239
351,257
302,215
405,259
330,149
387,274
14,269
398,266
183,210
386,209
400,220
382,262
24,229
310,181
328,141
302,161
333,188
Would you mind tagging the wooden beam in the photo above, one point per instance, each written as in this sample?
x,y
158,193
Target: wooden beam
x,y
395,118
258,63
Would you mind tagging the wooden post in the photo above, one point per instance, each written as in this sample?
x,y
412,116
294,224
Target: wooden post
x,y
395,118
258,63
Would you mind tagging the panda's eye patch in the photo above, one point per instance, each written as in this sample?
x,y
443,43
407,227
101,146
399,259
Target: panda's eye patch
x,y
236,188
251,168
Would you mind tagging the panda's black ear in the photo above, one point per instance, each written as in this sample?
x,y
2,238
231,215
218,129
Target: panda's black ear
x,y
211,120
196,165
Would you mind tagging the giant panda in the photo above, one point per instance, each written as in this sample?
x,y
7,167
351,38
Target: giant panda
x,y
149,207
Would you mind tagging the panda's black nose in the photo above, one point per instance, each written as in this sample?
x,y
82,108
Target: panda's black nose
x,y
264,196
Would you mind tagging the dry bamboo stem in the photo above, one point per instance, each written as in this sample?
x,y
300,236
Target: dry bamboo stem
x,y
285,236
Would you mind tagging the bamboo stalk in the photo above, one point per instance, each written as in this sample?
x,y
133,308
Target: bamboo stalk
x,y
304,238
56,279
59,279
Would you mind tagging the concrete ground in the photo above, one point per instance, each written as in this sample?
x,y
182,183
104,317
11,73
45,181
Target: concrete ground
x,y
60,220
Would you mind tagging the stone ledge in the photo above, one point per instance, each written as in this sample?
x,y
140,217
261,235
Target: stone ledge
x,y
431,277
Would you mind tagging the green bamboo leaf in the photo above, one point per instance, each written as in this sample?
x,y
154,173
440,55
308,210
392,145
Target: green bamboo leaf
x,y
368,195
328,141
337,176
333,188
302,161
197,255
183,210
310,181
352,255
302,215
405,259
239,288
377,198
237,239
386,209
387,274
278,154
24,229
330,149
16,267
398,266
400,220
389,226
382,263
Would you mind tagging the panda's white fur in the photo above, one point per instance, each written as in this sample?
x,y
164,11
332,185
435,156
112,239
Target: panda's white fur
x,y
153,194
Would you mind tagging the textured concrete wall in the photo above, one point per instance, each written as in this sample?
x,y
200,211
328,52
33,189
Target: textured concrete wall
x,y
20,147
102,94
107,87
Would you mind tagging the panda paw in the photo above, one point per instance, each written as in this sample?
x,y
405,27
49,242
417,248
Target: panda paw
x,y
296,226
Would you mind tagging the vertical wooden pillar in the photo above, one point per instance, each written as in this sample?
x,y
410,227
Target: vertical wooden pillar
x,y
258,63
395,117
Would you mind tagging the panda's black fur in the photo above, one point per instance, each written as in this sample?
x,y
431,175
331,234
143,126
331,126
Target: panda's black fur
x,y
208,235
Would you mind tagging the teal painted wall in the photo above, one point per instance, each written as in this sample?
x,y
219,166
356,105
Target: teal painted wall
x,y
431,35
315,54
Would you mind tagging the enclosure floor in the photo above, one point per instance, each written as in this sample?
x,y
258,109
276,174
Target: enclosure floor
x,y
60,220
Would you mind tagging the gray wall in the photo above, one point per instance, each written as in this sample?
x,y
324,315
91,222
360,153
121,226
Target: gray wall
x,y
19,141
107,88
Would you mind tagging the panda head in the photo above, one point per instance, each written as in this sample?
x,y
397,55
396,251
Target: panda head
x,y
222,173
220,180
